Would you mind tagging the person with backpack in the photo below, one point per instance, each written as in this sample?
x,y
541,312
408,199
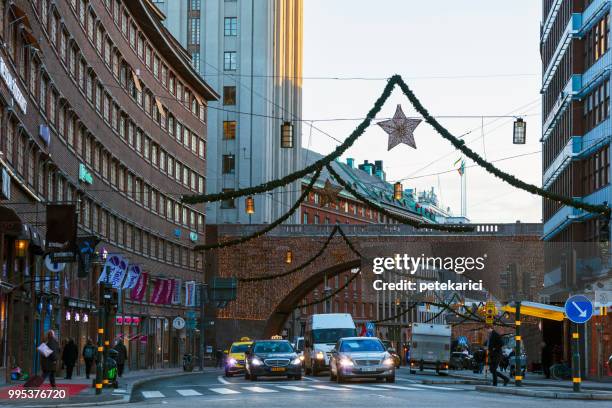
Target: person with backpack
x,y
89,354
121,355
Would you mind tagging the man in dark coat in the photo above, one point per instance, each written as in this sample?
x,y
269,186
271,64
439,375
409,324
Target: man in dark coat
x,y
70,356
49,363
495,356
89,354
121,356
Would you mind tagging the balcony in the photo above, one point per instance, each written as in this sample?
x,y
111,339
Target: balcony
x,y
573,27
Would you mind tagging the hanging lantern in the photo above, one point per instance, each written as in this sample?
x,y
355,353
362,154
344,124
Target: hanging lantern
x,y
289,257
249,205
85,318
68,316
287,135
49,308
398,191
39,306
77,317
21,247
520,131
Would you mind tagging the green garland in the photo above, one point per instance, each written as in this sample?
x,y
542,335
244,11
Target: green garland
x,y
361,128
268,228
508,178
296,269
331,295
399,218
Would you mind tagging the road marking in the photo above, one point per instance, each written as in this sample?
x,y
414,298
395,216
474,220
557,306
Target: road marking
x,y
188,393
311,379
223,380
399,387
224,391
294,388
119,391
152,394
434,387
259,389
363,387
327,387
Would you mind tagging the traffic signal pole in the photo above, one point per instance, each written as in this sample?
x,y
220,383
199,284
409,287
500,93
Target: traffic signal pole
x,y
100,341
518,373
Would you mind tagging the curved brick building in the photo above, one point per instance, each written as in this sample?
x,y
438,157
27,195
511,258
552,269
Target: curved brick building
x,y
101,108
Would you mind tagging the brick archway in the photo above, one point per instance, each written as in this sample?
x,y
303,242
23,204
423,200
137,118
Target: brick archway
x,y
288,304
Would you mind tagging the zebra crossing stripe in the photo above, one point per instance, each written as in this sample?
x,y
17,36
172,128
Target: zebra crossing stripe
x,y
399,387
188,393
294,388
259,389
434,387
152,394
224,391
363,387
327,387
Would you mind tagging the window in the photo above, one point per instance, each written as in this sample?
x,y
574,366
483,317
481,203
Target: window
x,y
229,95
229,60
597,41
194,5
195,61
230,26
597,106
596,169
305,218
229,130
229,163
228,203
316,219
194,31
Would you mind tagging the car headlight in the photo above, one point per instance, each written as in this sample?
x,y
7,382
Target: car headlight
x,y
301,357
232,362
346,362
389,361
297,361
320,355
256,361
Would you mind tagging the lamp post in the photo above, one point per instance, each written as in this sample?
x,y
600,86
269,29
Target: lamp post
x,y
286,135
520,131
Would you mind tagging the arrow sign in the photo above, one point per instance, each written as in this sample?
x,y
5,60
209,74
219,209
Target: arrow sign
x,y
579,309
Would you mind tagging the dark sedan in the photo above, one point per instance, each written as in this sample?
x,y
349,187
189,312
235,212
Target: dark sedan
x,y
272,358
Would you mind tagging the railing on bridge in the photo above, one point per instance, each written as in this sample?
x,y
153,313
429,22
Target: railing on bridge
x,y
514,229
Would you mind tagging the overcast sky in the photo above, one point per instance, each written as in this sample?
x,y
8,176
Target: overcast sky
x,y
461,57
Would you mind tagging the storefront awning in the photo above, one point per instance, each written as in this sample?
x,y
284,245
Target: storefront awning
x,y
540,310
10,223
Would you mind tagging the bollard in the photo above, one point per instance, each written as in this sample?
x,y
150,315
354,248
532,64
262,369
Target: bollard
x,y
576,378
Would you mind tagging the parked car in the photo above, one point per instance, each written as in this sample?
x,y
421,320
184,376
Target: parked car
x,y
361,357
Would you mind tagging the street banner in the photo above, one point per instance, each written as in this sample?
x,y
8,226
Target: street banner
x,y
168,287
190,289
133,273
114,270
138,291
156,296
176,291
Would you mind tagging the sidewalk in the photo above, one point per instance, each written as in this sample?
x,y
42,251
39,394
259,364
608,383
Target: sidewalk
x,y
536,385
79,390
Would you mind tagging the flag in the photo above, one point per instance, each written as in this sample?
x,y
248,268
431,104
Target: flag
x,y
139,290
156,296
176,291
133,273
114,270
190,289
169,287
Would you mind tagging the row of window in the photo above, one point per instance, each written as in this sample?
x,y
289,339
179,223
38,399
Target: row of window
x,y
596,41
142,47
597,106
596,171
43,179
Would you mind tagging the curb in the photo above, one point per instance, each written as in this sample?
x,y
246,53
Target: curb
x,y
468,382
124,399
535,383
546,394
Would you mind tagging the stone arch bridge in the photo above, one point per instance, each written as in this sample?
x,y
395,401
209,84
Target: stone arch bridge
x,y
261,308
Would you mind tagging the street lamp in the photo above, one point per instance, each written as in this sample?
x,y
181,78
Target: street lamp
x,y
21,247
520,131
286,135
398,191
289,257
249,205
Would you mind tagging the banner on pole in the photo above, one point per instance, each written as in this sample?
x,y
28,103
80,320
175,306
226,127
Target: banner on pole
x,y
190,292
114,270
138,292
176,291
133,274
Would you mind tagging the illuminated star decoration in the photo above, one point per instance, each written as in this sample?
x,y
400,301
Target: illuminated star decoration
x,y
400,129
329,194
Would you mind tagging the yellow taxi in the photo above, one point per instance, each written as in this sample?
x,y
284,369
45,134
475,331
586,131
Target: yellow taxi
x,y
234,363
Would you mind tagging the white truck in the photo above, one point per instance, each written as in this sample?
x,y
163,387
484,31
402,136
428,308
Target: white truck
x,y
322,333
430,347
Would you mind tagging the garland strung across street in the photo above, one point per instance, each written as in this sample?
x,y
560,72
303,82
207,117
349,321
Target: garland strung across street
x,y
268,228
399,218
361,128
331,295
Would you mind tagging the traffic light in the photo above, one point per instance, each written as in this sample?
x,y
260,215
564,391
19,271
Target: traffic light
x,y
489,312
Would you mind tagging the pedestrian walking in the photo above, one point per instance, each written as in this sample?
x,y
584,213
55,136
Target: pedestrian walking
x,y
48,362
547,356
495,356
121,355
219,356
89,353
70,355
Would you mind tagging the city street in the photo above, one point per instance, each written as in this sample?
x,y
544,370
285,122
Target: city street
x,y
213,389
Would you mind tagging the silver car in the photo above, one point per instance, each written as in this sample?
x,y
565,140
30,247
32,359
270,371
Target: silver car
x,y
361,357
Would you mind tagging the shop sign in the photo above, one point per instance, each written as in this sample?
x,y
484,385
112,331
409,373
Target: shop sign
x,y
135,320
127,320
12,86
61,228
143,339
84,174
193,236
119,320
6,184
178,323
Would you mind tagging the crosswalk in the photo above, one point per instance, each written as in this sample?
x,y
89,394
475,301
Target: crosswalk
x,y
234,389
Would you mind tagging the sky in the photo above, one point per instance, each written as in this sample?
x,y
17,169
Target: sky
x,y
461,58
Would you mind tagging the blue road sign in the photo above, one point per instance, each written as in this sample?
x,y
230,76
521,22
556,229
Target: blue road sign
x,y
462,341
369,329
578,309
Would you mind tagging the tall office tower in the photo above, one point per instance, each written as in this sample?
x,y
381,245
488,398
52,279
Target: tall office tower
x,y
250,51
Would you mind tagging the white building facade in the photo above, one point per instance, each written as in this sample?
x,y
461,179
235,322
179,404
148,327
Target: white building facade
x,y
250,52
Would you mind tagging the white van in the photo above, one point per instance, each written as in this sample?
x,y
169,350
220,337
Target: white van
x,y
430,347
322,333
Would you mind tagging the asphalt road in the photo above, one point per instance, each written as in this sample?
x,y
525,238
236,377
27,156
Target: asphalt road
x,y
213,390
